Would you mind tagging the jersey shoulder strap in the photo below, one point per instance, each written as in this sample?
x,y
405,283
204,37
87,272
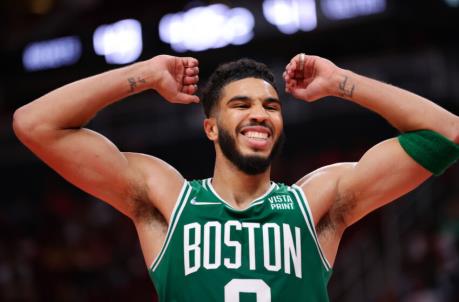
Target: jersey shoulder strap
x,y
305,209
180,203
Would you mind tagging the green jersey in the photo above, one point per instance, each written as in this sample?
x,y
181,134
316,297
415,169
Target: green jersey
x,y
267,252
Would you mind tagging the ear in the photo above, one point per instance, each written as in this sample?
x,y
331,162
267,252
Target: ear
x,y
210,128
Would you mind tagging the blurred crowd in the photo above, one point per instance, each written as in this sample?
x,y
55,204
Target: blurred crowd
x,y
62,246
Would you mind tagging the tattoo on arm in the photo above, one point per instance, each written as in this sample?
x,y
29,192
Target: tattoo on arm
x,y
133,83
345,88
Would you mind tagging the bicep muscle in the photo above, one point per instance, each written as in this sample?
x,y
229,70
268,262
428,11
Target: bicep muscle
x,y
383,174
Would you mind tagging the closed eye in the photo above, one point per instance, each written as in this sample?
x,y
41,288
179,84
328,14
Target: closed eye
x,y
241,106
273,107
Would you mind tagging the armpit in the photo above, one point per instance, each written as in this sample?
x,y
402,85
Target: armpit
x,y
144,211
336,218
331,227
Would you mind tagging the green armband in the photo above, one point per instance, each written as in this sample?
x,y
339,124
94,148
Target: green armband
x,y
430,149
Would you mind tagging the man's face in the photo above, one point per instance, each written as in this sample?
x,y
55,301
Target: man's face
x,y
249,123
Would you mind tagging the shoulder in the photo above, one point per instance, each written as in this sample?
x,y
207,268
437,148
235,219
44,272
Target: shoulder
x,y
156,186
328,208
326,172
321,188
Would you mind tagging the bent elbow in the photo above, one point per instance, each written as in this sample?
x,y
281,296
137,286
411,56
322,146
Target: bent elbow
x,y
19,122
23,125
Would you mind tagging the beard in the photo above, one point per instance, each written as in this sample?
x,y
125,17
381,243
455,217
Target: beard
x,y
249,164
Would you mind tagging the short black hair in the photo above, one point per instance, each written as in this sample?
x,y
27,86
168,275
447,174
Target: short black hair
x,y
230,72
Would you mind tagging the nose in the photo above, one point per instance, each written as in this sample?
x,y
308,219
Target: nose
x,y
258,113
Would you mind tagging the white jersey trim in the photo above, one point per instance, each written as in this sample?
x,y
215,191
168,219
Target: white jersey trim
x,y
204,183
311,225
176,212
255,202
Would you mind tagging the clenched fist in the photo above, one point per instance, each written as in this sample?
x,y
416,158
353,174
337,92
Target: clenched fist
x,y
309,78
176,78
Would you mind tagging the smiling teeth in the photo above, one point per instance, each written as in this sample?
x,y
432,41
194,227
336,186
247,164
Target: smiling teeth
x,y
259,135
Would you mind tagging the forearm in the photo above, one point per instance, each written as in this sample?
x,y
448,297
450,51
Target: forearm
x,y
73,105
405,110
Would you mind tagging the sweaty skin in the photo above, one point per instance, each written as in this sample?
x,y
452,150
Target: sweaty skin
x,y
145,188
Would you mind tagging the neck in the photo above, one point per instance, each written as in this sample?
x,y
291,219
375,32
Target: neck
x,y
237,187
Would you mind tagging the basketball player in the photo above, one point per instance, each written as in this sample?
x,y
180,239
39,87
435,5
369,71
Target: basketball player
x,y
238,236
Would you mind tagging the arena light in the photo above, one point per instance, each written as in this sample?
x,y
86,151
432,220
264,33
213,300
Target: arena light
x,y
452,3
347,9
51,53
207,27
290,16
120,42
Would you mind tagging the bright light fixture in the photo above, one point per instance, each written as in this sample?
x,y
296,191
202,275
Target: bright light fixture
x,y
347,9
120,42
290,16
51,53
207,27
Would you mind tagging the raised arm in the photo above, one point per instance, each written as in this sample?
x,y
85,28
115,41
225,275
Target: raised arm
x,y
386,171
52,128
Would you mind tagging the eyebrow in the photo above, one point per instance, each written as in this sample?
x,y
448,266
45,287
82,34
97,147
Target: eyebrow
x,y
245,98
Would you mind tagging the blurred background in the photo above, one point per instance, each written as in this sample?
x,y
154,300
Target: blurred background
x,y
60,244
